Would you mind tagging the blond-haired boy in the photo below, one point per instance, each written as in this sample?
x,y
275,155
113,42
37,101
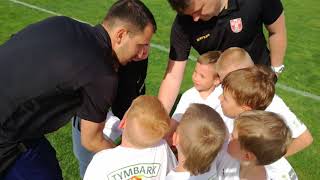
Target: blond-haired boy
x,y
205,80
199,137
206,88
237,58
259,138
142,152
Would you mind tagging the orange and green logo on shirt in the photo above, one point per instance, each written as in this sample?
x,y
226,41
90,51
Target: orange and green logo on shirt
x,y
136,178
136,172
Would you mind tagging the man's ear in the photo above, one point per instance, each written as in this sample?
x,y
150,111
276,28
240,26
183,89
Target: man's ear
x,y
120,34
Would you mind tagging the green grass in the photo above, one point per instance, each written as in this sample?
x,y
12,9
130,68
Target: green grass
x,y
302,64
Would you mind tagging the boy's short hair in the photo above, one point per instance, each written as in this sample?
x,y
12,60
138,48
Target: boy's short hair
x,y
210,57
201,134
134,13
233,58
264,134
146,121
253,87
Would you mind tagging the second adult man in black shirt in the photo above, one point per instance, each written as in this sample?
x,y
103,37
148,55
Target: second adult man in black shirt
x,y
217,25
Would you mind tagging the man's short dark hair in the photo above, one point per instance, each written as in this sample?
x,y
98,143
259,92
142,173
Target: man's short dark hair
x,y
132,11
179,5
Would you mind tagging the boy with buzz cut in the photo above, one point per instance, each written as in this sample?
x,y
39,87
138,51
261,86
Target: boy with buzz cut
x,y
142,154
259,138
253,89
198,138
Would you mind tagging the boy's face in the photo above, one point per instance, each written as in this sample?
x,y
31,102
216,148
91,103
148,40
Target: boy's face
x,y
204,77
229,106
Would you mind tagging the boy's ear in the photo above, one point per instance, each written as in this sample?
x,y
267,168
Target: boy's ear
x,y
122,123
249,156
175,139
216,81
246,108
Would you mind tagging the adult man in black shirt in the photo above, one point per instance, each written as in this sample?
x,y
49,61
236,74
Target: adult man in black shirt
x,y
56,68
217,25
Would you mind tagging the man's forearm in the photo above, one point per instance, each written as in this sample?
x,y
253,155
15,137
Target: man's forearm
x,y
278,46
170,85
277,41
99,143
92,136
168,93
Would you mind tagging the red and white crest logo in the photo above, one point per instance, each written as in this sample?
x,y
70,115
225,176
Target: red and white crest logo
x,y
236,25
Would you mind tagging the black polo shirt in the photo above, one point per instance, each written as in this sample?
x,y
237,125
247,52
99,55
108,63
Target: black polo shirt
x,y
240,25
131,85
52,70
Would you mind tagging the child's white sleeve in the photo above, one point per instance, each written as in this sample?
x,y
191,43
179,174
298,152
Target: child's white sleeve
x,y
278,106
281,169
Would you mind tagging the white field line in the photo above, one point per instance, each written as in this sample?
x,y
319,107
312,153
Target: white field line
x,y
164,49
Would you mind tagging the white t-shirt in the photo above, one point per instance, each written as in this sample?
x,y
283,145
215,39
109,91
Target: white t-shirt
x,y
173,175
125,163
193,96
278,106
229,169
210,175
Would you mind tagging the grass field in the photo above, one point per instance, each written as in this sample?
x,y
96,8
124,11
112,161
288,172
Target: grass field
x,y
302,64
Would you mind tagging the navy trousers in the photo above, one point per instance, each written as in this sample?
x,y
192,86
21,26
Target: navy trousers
x,y
39,162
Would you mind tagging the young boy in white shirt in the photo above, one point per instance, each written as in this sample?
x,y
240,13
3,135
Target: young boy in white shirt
x,y
259,138
142,153
206,89
198,139
205,80
237,58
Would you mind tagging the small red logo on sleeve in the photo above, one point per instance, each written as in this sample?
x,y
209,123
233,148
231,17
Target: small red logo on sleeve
x,y
236,25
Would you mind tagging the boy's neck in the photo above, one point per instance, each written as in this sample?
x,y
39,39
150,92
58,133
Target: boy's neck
x,y
126,143
204,94
181,160
250,171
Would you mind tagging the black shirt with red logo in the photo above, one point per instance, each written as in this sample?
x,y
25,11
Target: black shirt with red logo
x,y
240,25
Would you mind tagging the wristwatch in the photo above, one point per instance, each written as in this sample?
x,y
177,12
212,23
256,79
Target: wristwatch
x,y
278,69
